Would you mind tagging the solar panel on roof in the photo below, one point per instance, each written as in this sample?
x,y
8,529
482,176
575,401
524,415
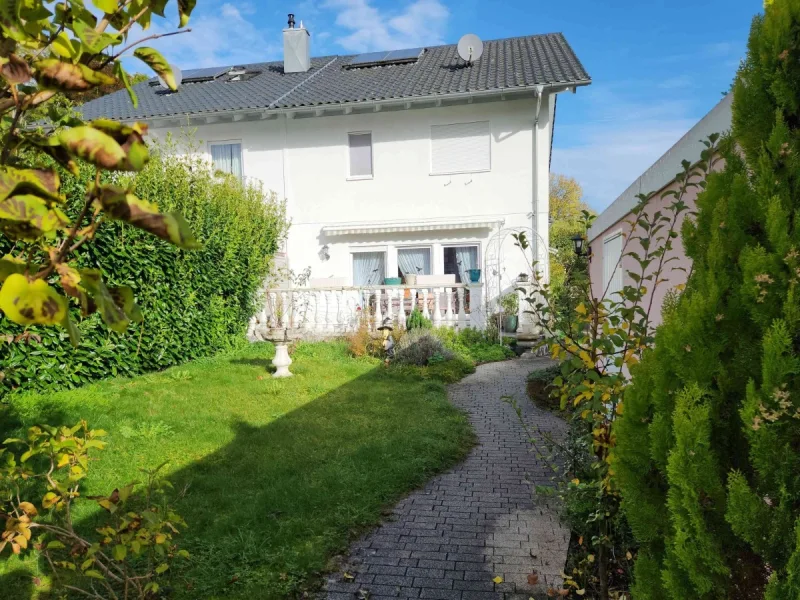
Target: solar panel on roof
x,y
392,57
207,74
368,58
407,54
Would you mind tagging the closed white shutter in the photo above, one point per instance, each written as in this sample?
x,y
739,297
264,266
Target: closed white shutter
x,y
460,148
612,270
360,154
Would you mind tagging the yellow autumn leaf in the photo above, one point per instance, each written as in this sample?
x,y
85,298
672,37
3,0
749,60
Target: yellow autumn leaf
x,y
498,579
25,302
628,555
580,592
590,558
581,309
576,481
618,409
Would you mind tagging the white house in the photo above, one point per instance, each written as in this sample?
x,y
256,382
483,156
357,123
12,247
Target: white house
x,y
410,162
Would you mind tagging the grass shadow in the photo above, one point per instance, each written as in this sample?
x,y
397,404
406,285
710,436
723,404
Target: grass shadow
x,y
287,471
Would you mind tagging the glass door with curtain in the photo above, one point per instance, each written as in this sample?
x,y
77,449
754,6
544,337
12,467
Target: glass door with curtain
x,y
458,260
413,261
369,268
227,158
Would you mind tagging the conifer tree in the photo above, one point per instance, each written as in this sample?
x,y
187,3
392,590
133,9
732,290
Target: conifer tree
x,y
708,448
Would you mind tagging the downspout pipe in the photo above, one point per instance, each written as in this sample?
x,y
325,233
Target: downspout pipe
x,y
535,243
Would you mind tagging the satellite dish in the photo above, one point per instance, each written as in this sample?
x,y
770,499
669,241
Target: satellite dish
x,y
470,48
176,73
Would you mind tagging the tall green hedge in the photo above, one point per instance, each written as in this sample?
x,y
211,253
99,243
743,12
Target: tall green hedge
x,y
194,303
708,447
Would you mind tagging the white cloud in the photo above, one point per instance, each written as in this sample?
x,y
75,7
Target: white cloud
x,y
225,37
617,142
421,23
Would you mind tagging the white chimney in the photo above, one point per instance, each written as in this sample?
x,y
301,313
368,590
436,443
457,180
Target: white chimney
x,y
296,48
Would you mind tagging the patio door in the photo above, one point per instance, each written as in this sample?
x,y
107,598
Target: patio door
x,y
369,268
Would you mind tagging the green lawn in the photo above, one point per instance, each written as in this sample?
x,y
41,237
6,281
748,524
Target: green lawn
x,y
281,474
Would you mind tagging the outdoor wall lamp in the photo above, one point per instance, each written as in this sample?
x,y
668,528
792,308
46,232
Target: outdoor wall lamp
x,y
581,245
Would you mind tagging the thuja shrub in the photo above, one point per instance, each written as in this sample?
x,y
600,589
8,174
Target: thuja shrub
x,y
193,303
707,447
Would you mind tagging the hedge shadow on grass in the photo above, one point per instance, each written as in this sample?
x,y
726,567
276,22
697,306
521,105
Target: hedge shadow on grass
x,y
268,510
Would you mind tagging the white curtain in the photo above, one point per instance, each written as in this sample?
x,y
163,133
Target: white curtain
x,y
227,158
466,259
368,268
414,261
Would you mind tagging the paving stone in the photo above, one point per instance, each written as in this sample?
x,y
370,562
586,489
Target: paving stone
x,y
448,540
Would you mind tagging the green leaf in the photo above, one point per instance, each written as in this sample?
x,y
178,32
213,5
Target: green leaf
x,y
25,302
44,183
119,72
185,8
10,265
94,41
124,206
158,63
55,545
91,145
94,574
65,47
55,74
123,297
112,315
131,140
162,568
120,552
72,330
107,6
27,217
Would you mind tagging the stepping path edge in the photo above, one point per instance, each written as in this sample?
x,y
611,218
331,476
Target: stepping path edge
x,y
479,520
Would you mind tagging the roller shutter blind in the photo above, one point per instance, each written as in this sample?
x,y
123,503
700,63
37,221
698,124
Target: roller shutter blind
x,y
460,148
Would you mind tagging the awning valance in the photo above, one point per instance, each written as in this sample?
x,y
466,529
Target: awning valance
x,y
410,226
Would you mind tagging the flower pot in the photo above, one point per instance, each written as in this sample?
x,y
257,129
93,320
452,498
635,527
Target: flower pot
x,y
510,323
411,280
392,281
474,275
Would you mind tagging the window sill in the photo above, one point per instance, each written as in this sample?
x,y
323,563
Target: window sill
x,y
444,174
360,178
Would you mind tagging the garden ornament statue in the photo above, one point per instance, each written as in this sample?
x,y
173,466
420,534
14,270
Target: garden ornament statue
x,y
388,339
282,359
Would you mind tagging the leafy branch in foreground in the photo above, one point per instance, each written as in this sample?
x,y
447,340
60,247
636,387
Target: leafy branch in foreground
x,y
131,548
47,53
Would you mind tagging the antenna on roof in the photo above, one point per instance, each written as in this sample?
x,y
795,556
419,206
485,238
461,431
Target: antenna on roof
x,y
176,73
470,48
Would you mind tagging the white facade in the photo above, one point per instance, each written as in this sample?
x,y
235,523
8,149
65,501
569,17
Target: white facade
x,y
405,202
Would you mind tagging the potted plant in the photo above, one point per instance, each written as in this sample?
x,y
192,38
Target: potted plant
x,y
509,303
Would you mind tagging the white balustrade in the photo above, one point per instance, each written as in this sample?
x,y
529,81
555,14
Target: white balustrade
x,y
335,311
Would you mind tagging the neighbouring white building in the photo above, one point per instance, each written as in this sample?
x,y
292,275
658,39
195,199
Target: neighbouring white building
x,y
393,165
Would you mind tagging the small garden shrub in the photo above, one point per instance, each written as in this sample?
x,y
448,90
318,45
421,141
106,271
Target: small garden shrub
x,y
194,303
419,346
474,345
540,385
416,320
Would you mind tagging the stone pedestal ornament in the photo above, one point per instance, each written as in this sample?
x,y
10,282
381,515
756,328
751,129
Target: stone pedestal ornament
x,y
282,359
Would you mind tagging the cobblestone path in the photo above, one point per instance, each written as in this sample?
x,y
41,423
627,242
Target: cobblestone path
x,y
480,520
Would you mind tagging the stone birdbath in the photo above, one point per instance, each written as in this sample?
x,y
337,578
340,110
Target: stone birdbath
x,y
282,359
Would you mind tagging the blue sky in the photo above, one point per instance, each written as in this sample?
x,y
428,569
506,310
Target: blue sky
x,y
657,66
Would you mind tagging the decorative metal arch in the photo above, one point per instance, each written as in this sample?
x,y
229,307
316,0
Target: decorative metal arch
x,y
497,248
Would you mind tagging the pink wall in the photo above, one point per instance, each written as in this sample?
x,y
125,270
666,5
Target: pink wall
x,y
671,272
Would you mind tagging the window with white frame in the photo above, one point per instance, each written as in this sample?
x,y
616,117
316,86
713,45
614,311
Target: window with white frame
x,y
459,260
461,148
227,157
369,268
612,269
360,155
413,261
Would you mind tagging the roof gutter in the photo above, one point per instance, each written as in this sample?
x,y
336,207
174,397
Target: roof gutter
x,y
535,182
344,106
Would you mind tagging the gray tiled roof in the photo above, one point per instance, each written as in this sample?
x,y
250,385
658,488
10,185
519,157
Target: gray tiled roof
x,y
512,63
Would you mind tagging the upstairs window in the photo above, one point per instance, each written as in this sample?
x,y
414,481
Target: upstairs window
x,y
227,157
360,149
460,148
